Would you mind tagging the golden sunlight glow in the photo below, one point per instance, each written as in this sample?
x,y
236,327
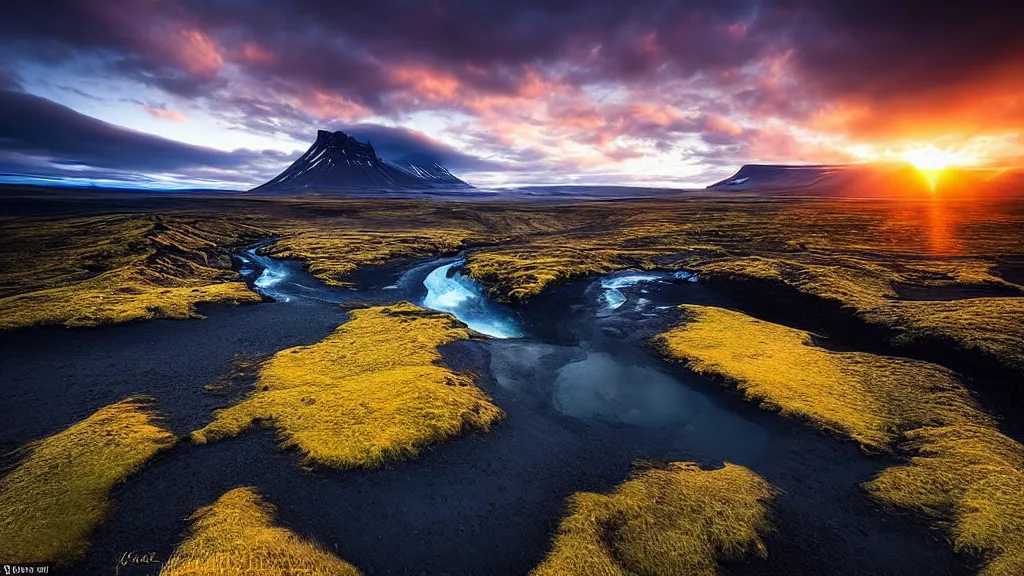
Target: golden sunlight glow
x,y
932,161
930,158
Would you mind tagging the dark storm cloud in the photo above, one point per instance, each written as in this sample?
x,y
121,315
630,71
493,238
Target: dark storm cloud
x,y
842,45
8,79
41,137
350,47
395,143
36,126
890,47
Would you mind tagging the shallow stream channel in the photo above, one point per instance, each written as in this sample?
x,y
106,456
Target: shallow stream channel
x,y
585,398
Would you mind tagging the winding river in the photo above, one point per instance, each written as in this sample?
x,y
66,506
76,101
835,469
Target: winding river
x,y
585,398
601,377
448,290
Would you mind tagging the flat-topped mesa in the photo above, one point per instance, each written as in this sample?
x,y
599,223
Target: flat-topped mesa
x,y
822,179
874,180
337,162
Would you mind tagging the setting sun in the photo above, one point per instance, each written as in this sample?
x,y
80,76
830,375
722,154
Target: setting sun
x,y
930,158
931,162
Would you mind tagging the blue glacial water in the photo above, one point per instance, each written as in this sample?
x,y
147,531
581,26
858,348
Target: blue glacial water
x,y
614,286
448,290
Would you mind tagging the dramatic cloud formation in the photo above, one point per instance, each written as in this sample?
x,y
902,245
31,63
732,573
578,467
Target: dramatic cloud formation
x,y
40,137
527,92
396,143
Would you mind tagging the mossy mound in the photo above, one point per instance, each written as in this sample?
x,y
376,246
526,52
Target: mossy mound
x,y
867,397
971,477
333,255
372,391
236,535
56,497
678,519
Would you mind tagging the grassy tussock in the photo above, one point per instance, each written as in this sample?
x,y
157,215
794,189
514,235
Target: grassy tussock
x,y
971,477
867,397
236,536
674,520
854,253
372,391
849,281
334,255
112,269
56,497
993,326
114,301
516,274
963,472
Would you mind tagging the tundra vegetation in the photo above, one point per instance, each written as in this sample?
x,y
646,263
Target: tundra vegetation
x,y
372,391
961,470
672,519
855,257
113,269
237,536
58,494
333,256
852,258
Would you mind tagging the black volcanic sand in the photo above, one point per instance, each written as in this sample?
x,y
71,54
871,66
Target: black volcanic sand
x,y
1011,269
486,503
53,377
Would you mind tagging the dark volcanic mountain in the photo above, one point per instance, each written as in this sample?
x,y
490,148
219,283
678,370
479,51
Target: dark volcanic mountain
x,y
337,162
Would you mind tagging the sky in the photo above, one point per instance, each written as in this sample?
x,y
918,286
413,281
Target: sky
x,y
226,93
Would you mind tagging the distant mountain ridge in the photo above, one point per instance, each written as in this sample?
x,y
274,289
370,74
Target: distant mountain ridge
x,y
337,162
880,180
775,177
819,177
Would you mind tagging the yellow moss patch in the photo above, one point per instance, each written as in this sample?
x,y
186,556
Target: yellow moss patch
x,y
112,269
994,326
973,476
334,254
51,503
236,536
372,391
963,471
109,301
674,520
867,397
517,273
849,281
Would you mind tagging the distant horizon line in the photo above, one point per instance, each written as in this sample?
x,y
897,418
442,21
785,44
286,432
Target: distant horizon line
x,y
60,182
